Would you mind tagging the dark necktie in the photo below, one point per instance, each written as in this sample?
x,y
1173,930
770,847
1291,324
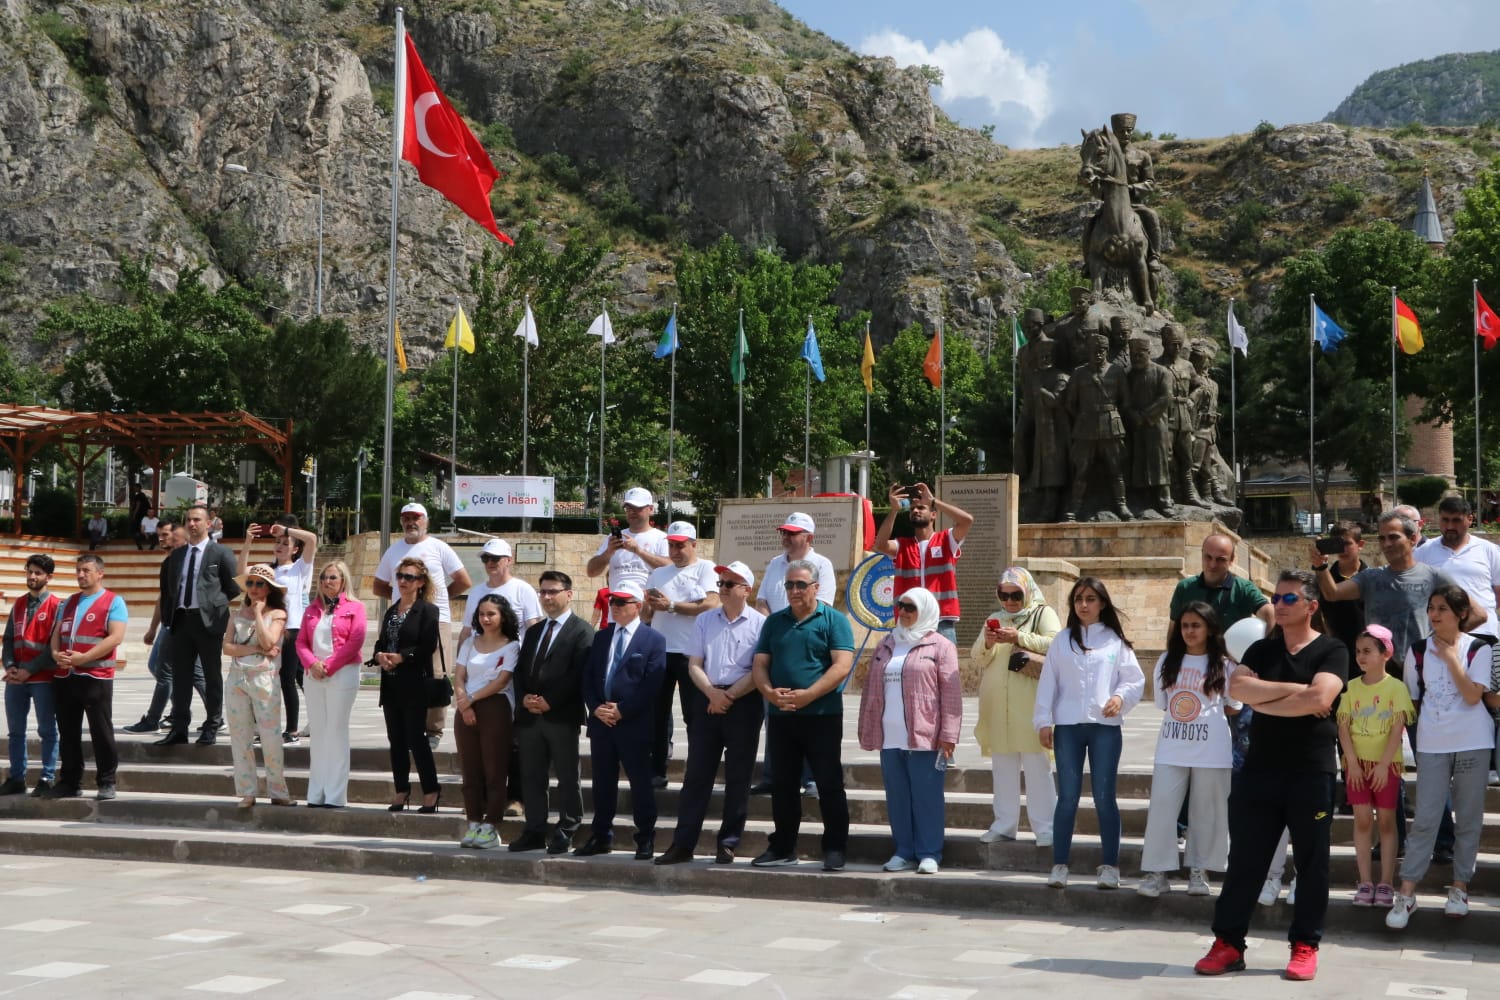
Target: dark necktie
x,y
547,637
190,580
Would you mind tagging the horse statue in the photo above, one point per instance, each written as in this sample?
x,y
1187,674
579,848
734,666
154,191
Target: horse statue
x,y
1115,244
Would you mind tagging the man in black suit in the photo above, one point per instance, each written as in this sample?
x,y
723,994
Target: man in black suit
x,y
549,710
624,674
197,584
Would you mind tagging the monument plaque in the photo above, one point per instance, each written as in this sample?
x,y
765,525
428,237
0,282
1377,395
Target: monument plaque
x,y
989,547
747,529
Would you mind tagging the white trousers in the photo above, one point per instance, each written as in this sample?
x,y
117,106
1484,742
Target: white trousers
x,y
329,705
1041,792
1207,792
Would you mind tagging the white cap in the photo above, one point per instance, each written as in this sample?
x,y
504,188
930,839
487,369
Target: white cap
x,y
798,521
496,547
682,531
414,508
630,590
638,496
738,569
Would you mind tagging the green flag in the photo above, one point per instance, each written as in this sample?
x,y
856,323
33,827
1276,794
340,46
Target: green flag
x,y
741,352
1018,339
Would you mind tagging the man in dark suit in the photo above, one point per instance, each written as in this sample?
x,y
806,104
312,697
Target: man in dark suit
x,y
549,710
624,674
197,584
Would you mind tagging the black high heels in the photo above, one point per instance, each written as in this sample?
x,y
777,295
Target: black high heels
x,y
396,807
437,798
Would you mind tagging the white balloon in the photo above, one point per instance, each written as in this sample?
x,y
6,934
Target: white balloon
x,y
423,105
1242,634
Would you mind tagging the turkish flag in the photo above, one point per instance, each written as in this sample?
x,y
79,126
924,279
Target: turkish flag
x,y
1486,322
447,156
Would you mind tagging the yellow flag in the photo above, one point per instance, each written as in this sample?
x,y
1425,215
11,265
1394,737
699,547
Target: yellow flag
x,y
867,364
460,332
400,349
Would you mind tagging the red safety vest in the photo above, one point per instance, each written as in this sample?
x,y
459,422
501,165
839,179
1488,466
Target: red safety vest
x,y
936,573
90,632
35,635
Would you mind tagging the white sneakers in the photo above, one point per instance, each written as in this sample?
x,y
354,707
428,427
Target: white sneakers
x,y
1270,892
487,839
992,835
1044,840
1401,911
927,866
1291,894
1153,885
468,838
898,864
1198,883
1059,877
1109,877
1458,903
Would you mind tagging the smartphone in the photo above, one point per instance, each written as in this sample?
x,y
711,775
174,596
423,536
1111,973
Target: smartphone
x,y
992,623
614,531
1330,546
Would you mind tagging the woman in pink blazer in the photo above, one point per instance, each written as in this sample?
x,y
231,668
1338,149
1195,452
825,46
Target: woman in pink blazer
x,y
328,644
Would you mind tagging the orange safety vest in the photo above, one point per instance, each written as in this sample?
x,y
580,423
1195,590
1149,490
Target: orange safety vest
x,y
89,633
35,634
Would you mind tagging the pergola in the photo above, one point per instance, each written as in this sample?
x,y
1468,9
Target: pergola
x,y
155,437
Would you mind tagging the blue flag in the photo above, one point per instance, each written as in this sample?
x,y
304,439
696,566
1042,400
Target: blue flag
x,y
1326,332
810,352
668,342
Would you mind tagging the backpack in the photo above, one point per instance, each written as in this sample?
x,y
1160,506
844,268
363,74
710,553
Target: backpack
x,y
1419,650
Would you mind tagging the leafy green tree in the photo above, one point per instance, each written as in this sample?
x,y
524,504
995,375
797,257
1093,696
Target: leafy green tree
x,y
907,431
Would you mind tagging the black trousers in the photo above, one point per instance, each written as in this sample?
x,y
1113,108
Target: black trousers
x,y
611,750
194,642
75,698
1261,804
734,737
550,748
290,674
816,739
406,731
661,743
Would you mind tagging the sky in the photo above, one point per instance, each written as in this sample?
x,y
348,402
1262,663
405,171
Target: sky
x,y
1041,71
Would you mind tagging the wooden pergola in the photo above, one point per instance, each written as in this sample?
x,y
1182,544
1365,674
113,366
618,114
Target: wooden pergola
x,y
156,438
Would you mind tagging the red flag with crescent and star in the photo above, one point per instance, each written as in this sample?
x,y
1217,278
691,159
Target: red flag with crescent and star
x,y
1486,322
448,158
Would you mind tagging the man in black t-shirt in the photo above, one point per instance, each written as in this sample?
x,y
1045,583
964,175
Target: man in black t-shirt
x,y
1292,678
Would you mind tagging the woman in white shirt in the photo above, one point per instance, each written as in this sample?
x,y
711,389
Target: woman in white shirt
x,y
1194,755
1089,680
484,713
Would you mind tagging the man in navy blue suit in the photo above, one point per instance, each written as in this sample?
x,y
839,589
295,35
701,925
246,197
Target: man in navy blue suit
x,y
624,674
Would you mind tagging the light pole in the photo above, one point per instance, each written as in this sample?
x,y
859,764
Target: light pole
x,y
240,168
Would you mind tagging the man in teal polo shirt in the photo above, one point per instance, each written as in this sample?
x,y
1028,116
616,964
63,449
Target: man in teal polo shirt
x,y
1233,597
804,653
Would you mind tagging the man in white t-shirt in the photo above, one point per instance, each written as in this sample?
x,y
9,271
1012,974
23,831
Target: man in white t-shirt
x,y
797,543
631,553
449,579
1472,563
675,595
497,559
145,535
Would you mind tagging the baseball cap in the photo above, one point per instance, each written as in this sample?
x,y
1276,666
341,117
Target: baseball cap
x,y
414,508
739,570
798,521
638,496
630,590
681,531
495,547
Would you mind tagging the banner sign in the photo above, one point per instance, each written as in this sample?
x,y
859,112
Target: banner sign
x,y
504,496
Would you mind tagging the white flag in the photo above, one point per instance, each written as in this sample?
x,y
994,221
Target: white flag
x,y
602,327
527,329
1238,338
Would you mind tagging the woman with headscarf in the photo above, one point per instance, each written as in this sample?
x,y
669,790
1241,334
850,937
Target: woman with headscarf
x,y
1022,625
912,712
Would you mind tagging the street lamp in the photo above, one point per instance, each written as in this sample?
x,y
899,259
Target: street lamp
x,y
240,168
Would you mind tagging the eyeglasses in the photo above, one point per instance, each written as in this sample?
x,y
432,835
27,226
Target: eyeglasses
x,y
620,602
1287,599
799,584
906,606
552,592
1011,595
410,577
728,584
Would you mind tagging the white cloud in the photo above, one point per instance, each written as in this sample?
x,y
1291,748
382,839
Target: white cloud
x,y
980,67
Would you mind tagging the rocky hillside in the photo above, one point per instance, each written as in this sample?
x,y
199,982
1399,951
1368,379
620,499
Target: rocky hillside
x,y
658,122
1458,89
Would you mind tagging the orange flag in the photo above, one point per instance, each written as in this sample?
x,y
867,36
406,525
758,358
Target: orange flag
x,y
932,366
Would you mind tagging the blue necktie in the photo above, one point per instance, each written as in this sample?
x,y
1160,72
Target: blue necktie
x,y
614,664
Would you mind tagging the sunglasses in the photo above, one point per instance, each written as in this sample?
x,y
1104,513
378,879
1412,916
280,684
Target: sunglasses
x,y
906,606
799,584
620,602
489,559
256,583
1287,599
410,577
1011,595
552,592
728,584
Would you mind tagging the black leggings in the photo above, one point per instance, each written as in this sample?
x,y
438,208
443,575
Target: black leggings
x,y
291,678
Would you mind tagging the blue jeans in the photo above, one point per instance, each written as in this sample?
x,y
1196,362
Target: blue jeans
x,y
914,800
948,629
1102,745
18,701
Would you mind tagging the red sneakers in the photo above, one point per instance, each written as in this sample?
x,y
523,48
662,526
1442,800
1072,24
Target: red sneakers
x,y
1221,958
1304,963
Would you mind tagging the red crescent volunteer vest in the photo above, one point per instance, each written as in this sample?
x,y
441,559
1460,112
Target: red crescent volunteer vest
x,y
92,630
32,638
937,573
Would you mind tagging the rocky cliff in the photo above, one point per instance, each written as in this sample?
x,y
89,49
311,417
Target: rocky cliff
x,y
1458,89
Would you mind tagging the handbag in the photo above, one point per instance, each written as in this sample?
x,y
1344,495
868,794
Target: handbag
x,y
439,686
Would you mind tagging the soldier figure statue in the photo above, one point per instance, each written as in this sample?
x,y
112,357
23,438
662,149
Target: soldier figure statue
x,y
1180,413
1094,396
1148,397
1207,461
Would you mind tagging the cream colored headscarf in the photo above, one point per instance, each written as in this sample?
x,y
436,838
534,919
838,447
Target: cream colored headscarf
x,y
927,616
1019,578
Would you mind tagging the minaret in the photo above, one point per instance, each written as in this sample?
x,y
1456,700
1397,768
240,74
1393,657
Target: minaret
x,y
1431,444
1427,226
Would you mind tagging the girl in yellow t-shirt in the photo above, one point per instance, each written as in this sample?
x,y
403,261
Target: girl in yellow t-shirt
x,y
1373,712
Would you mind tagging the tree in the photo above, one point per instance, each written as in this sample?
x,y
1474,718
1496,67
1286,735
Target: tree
x,y
907,431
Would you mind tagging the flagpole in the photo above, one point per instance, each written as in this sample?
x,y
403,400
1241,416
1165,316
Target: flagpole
x,y
1395,460
739,467
1014,350
672,417
603,336
398,125
868,446
525,388
453,441
807,430
1478,468
1234,434
942,405
1312,407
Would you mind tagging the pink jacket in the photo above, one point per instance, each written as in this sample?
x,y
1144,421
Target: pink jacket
x,y
348,633
930,689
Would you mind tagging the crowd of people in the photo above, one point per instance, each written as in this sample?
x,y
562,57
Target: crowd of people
x,y
1254,736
